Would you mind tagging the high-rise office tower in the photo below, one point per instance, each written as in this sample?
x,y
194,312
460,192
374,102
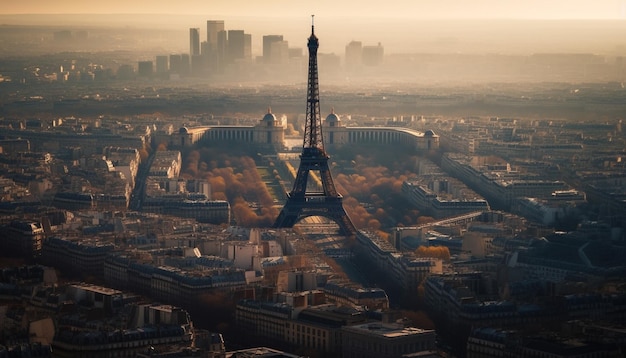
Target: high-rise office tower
x,y
239,45
144,68
162,64
125,72
247,46
206,55
373,55
194,41
222,49
175,63
214,49
197,64
213,27
354,54
268,40
185,64
205,48
279,53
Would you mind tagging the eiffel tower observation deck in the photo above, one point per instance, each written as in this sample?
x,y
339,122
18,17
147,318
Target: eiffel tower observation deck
x,y
304,200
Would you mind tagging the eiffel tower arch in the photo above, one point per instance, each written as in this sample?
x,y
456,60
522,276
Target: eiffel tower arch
x,y
314,192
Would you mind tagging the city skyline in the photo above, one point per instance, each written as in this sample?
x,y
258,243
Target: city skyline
x,y
444,9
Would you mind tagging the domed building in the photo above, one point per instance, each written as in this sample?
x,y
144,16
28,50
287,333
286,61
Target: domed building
x,y
431,139
269,118
337,133
332,120
270,131
185,137
334,132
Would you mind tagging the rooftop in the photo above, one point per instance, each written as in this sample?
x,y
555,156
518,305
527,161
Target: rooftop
x,y
388,330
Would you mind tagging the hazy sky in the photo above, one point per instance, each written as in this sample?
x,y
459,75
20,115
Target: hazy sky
x,y
514,9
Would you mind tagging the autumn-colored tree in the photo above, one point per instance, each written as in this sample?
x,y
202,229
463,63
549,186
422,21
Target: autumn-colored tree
x,y
383,235
144,152
235,179
162,147
418,319
372,189
438,252
357,213
424,220
373,224
378,184
335,267
191,167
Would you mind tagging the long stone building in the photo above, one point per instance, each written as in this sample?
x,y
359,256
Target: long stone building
x,y
270,132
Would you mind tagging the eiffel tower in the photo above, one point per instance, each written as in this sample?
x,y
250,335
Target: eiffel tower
x,y
324,201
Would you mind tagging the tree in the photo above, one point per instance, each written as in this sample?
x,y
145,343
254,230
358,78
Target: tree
x,y
235,179
161,147
419,319
437,252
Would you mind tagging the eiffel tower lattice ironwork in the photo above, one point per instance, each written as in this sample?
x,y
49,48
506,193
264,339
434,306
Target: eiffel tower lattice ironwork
x,y
324,201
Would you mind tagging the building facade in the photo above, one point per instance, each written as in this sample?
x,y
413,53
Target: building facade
x,y
385,340
270,132
194,42
23,239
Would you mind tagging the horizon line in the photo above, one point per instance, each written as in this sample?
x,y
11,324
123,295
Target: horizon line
x,y
617,17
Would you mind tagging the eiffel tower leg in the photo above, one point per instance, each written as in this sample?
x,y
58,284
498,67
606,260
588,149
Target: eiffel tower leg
x,y
338,214
329,207
289,215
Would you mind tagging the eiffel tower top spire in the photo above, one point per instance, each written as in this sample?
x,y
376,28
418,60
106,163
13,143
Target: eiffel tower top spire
x,y
313,26
313,125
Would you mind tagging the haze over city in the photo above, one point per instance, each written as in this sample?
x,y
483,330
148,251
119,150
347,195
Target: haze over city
x,y
402,9
480,26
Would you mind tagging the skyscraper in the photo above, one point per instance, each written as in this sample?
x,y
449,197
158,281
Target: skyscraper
x,y
213,27
196,64
354,53
214,48
145,68
373,55
247,46
185,64
162,64
239,45
175,63
194,41
222,47
279,53
268,40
